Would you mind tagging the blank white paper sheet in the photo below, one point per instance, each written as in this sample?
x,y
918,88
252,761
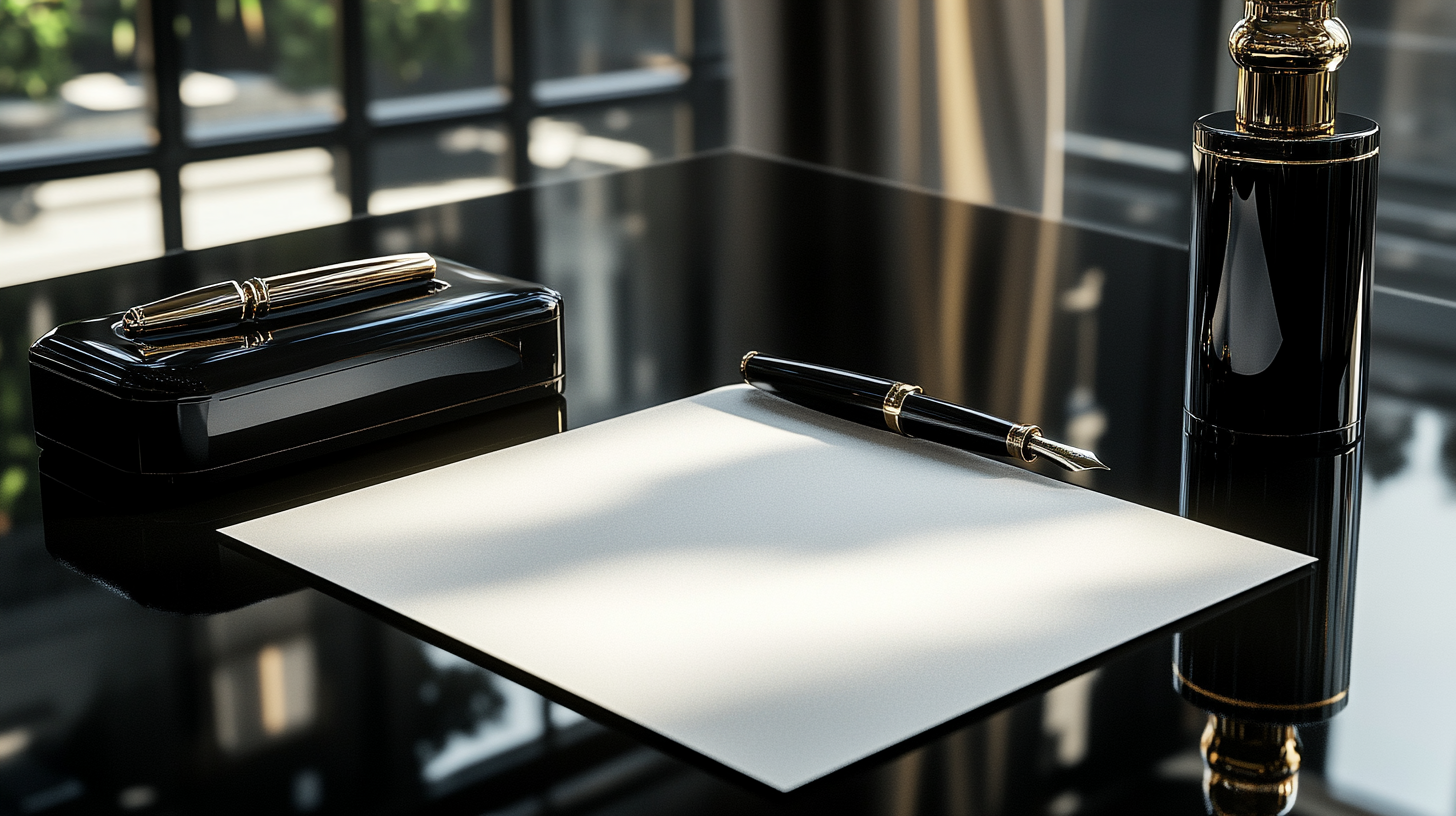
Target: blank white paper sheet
x,y
778,590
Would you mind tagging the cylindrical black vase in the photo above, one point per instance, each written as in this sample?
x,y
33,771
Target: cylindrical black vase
x,y
1281,274
1283,657
1278,330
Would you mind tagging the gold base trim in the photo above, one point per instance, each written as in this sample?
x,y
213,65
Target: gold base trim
x,y
1205,151
1266,706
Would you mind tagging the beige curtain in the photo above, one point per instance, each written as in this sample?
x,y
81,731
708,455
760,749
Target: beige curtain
x,y
963,96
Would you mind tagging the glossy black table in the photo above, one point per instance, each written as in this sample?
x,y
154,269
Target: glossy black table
x,y
156,672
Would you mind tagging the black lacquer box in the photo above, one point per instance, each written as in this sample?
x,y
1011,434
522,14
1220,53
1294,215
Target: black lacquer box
x,y
181,407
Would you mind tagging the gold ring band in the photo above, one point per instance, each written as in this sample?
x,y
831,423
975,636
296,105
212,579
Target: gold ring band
x,y
743,365
1016,441
894,401
1246,704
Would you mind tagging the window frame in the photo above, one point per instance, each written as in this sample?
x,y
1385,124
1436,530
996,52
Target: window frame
x,y
352,138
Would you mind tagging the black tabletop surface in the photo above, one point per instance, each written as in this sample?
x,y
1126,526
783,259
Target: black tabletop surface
x,y
166,675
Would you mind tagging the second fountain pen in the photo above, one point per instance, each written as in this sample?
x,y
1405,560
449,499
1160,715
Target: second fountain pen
x,y
906,411
230,303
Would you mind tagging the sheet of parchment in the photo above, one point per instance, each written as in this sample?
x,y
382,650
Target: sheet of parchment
x,y
781,591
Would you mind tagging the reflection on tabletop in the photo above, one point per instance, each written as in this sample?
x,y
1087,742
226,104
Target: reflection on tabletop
x,y
303,702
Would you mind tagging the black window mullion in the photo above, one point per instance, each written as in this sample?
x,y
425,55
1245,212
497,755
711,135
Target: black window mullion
x,y
357,128
705,82
165,80
522,108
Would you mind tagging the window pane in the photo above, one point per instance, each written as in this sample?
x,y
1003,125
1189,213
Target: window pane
x,y
69,79
619,137
75,225
450,164
1402,73
230,200
258,66
428,57
588,49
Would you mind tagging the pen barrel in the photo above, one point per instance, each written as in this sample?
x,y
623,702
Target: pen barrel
x,y
207,307
844,394
327,283
957,426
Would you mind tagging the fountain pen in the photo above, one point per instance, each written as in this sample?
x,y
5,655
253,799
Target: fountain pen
x,y
905,410
230,303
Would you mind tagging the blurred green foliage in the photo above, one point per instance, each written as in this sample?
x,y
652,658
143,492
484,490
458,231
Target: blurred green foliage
x,y
35,39
18,452
40,38
303,37
406,35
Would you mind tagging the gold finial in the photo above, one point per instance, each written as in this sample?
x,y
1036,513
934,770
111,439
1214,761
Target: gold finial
x,y
1287,52
1251,769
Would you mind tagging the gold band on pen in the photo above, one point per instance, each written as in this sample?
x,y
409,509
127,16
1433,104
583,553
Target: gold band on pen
x,y
743,365
894,401
1016,440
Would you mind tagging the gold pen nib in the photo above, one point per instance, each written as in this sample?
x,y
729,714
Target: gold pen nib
x,y
1073,459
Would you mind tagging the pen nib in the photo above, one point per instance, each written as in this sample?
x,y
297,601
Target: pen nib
x,y
1073,459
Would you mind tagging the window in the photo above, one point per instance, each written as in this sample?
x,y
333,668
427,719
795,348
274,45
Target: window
x,y
133,127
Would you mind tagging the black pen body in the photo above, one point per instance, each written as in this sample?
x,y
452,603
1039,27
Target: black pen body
x,y
955,425
862,399
855,397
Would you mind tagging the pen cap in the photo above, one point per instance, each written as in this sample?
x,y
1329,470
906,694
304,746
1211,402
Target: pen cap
x,y
207,307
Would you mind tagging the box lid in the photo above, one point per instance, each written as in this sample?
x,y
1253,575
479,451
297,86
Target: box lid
x,y
462,303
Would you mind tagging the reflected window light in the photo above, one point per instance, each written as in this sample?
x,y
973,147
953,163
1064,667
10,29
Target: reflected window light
x,y
1067,718
265,695
470,139
229,200
398,199
555,143
72,225
518,719
308,790
452,164
137,797
563,718
285,686
1405,519
13,743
